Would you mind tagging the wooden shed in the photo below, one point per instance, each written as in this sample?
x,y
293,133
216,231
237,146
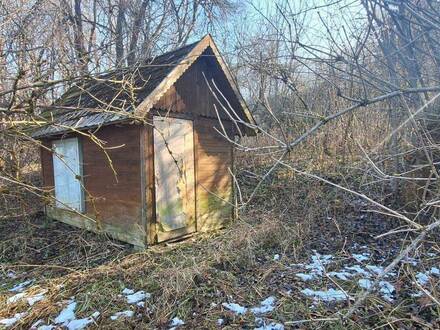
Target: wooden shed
x,y
165,170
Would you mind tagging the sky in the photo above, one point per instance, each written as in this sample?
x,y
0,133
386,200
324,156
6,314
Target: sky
x,y
314,15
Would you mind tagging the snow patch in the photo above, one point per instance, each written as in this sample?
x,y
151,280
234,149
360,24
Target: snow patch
x,y
385,287
318,263
409,260
358,269
387,290
422,278
365,283
16,298
118,315
11,274
236,308
176,322
31,300
9,322
67,314
375,269
329,295
35,298
267,305
341,275
79,324
36,324
39,325
416,294
361,257
68,319
316,267
135,297
127,291
305,277
21,286
435,271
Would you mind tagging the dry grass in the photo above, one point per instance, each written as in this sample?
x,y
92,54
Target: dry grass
x,y
290,216
184,278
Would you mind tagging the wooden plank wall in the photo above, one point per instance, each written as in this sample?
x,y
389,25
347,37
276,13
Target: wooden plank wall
x,y
47,166
190,94
214,184
191,98
114,201
120,204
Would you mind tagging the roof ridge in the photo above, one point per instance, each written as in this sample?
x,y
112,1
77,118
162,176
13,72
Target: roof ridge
x,y
143,86
139,63
152,58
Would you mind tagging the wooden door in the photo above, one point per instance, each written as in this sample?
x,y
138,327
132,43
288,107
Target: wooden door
x,y
67,174
174,177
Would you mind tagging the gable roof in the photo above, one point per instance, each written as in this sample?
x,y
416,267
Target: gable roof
x,y
132,91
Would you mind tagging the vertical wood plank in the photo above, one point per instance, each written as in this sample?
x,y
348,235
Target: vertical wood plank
x,y
214,182
143,142
151,200
174,181
196,179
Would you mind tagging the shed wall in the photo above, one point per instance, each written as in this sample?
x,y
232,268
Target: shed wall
x,y
214,186
118,204
191,94
191,98
114,201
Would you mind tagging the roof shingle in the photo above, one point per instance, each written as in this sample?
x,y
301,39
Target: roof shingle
x,y
117,92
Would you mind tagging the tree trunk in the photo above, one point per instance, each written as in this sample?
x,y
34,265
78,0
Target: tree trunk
x,y
79,38
119,38
137,24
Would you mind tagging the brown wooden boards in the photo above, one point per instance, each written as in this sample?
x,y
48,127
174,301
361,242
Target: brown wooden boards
x,y
214,180
112,183
191,94
174,177
112,176
150,184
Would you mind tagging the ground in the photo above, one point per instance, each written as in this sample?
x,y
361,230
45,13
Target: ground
x,y
296,264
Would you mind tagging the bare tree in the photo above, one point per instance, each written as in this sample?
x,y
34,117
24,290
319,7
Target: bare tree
x,y
372,55
323,77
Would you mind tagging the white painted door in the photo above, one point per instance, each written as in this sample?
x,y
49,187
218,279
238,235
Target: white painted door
x,y
174,176
67,174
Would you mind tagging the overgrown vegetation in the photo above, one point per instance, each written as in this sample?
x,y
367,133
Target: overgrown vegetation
x,y
345,164
191,279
